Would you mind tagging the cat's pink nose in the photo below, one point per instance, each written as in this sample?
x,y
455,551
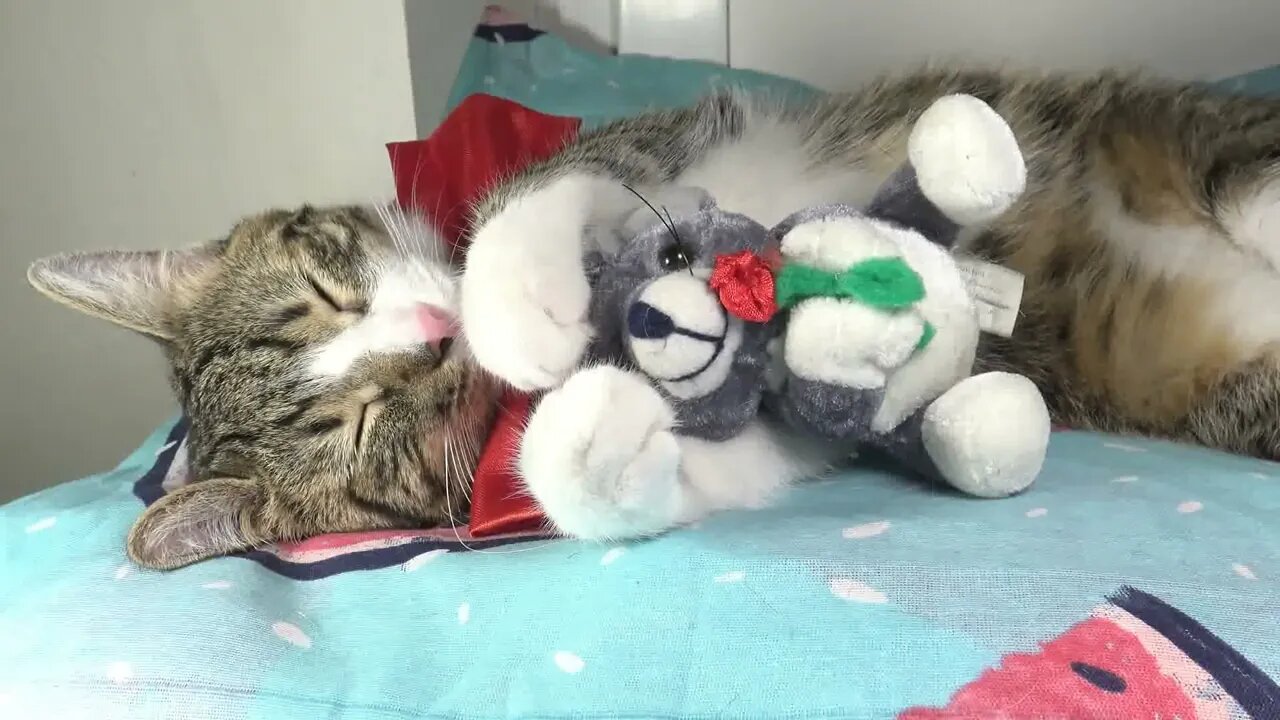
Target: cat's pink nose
x,y
437,325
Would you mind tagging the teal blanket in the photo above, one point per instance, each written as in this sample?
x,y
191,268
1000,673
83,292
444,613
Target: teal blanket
x,y
859,596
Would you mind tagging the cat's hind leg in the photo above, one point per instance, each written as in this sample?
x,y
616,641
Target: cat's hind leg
x,y
1241,412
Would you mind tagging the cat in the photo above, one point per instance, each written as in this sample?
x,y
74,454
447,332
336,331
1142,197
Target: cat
x,y
1149,238
315,353
323,396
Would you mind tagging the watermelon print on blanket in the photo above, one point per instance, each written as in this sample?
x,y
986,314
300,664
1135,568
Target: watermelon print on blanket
x,y
1137,657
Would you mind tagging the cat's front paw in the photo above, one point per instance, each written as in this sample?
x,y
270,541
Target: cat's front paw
x,y
600,458
525,294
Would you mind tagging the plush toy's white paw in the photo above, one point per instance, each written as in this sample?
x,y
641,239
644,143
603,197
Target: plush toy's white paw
x,y
846,343
524,295
966,159
988,434
836,243
600,458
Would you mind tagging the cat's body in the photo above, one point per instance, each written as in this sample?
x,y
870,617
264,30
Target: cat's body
x,y
1149,236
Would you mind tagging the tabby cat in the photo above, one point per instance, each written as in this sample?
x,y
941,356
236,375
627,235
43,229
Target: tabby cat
x,y
322,400
313,352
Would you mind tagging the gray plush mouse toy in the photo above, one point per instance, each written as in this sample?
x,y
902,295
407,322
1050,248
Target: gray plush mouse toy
x,y
854,326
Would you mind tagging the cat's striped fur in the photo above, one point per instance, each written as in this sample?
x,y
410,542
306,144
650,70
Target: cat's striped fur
x,y
1148,236
282,445
1150,258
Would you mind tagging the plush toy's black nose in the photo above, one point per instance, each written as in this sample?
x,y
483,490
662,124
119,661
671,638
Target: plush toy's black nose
x,y
647,322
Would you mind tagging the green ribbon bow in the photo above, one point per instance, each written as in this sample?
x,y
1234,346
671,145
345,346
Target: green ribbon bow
x,y
885,283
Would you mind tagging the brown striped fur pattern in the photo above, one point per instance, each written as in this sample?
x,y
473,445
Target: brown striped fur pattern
x,y
277,452
1149,235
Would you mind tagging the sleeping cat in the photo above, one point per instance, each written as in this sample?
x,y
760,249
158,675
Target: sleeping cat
x,y
312,352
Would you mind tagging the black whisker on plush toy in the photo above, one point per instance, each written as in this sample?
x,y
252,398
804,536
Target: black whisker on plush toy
x,y
852,326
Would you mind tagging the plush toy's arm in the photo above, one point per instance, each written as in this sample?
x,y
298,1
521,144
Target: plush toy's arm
x,y
840,342
853,322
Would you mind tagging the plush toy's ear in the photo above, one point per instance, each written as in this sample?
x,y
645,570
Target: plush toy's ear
x,y
201,520
966,159
137,290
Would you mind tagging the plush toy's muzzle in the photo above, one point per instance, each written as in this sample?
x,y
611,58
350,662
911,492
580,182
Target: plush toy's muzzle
x,y
678,334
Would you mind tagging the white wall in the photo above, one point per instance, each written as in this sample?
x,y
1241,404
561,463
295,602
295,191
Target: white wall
x,y
837,44
438,31
148,123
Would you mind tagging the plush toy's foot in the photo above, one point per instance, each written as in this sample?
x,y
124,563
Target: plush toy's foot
x,y
988,434
966,159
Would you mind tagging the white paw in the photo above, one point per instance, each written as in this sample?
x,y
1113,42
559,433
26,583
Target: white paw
x,y
524,291
966,159
988,435
837,243
849,344
600,458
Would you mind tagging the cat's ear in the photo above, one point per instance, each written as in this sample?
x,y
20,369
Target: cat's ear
x,y
135,289
202,520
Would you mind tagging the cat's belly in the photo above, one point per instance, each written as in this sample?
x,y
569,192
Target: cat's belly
x,y
767,174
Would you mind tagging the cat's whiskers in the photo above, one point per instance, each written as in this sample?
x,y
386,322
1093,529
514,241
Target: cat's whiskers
x,y
412,235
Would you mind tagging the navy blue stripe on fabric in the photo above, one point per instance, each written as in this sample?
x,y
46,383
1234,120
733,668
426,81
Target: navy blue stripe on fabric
x,y
1256,693
376,559
507,33
149,488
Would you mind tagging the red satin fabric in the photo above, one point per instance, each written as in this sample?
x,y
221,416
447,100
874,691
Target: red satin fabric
x,y
482,141
499,503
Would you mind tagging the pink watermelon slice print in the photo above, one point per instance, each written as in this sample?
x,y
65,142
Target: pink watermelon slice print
x,y
1136,658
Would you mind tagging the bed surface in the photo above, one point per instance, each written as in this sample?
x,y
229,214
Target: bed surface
x,y
859,596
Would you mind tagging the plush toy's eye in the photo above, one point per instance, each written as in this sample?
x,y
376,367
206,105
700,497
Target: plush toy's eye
x,y
674,257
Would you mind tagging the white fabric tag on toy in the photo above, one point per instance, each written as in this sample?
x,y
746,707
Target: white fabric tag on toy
x,y
996,290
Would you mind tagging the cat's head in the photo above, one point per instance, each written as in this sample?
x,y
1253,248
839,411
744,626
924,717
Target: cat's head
x,y
312,352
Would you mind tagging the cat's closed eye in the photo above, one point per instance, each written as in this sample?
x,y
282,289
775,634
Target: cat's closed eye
x,y
330,299
369,413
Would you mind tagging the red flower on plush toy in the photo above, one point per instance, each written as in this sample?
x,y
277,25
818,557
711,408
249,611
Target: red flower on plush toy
x,y
744,282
